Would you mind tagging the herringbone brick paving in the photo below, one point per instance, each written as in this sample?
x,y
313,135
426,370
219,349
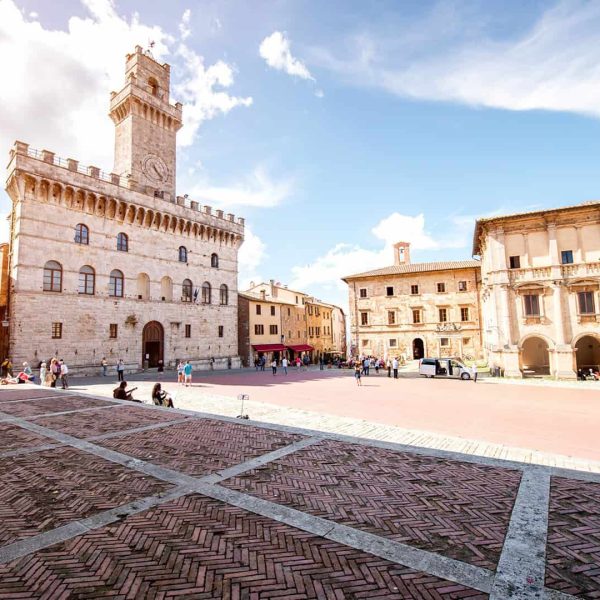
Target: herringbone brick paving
x,y
573,551
51,405
99,422
199,548
13,437
27,392
46,489
201,446
456,509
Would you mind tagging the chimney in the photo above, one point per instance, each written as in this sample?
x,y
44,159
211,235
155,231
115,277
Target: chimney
x,y
402,253
273,289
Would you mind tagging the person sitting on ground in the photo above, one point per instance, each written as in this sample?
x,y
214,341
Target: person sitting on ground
x,y
160,397
120,393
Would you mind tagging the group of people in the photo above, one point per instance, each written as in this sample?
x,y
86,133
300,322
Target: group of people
x,y
159,396
184,373
589,374
364,364
50,376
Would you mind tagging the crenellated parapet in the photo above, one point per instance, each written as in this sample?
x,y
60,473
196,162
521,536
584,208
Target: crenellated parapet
x,y
46,178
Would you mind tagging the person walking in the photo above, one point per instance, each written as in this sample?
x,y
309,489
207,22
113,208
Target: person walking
x,y
43,373
55,370
474,372
263,362
187,373
357,372
120,369
388,364
180,366
298,364
284,365
321,363
395,367
64,372
274,366
104,364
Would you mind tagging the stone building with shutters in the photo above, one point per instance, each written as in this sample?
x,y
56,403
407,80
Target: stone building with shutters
x,y
117,265
413,310
275,321
540,290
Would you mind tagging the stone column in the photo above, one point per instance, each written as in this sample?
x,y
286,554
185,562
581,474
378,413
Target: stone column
x,y
563,354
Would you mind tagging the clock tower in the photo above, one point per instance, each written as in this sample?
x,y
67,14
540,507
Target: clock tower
x,y
146,126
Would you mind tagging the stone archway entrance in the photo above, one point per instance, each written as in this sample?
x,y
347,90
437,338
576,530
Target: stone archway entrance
x,y
535,358
418,348
153,338
588,353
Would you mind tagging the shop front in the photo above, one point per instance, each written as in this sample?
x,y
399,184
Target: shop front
x,y
268,352
299,350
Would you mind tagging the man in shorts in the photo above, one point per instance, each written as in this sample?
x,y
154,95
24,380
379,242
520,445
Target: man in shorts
x,y
187,373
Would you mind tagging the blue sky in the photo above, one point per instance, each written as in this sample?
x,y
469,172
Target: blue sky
x,y
336,128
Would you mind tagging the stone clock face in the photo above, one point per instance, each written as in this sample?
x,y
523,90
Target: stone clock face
x,y
155,168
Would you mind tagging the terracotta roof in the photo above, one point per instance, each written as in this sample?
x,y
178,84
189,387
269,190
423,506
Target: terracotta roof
x,y
417,268
529,213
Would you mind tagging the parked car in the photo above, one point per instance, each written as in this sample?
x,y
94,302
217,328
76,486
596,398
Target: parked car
x,y
444,367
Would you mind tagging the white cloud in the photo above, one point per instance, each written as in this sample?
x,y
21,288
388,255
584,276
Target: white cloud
x,y
184,25
252,254
258,189
554,65
55,84
344,259
275,49
199,91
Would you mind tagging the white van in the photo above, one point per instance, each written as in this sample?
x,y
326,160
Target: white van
x,y
444,367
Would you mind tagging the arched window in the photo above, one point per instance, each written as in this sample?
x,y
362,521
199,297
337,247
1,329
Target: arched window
x,y
153,85
143,286
122,242
166,289
52,276
214,261
182,254
82,234
224,293
206,293
186,291
87,280
115,284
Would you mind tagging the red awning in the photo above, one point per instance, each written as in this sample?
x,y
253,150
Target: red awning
x,y
301,348
268,347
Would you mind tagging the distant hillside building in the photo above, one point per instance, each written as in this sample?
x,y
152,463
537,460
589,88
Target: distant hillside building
x,y
540,274
416,309
116,264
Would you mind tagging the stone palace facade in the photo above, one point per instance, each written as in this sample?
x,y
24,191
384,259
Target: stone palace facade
x,y
117,265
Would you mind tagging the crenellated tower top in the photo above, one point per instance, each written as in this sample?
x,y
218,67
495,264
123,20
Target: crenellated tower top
x,y
146,125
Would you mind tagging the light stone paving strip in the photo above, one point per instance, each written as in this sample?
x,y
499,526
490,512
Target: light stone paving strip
x,y
556,595
7,418
522,566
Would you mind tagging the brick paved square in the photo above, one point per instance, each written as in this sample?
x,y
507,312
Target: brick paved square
x,y
573,550
24,392
460,510
99,422
51,405
43,490
198,548
201,446
13,437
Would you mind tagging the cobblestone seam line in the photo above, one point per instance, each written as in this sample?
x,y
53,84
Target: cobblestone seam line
x,y
62,396
522,565
556,595
75,528
7,418
113,434
31,450
434,564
